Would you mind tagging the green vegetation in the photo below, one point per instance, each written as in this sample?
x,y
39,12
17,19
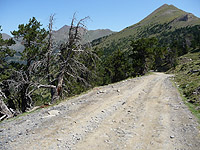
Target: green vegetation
x,y
49,72
168,38
5,52
33,38
165,19
187,78
158,42
143,55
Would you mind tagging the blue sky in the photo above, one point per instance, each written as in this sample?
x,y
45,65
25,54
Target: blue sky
x,y
111,14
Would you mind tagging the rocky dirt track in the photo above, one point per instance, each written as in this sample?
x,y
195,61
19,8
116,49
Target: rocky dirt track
x,y
144,113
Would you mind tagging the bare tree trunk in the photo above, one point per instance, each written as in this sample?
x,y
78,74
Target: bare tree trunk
x,y
69,63
26,100
57,91
50,46
49,53
3,108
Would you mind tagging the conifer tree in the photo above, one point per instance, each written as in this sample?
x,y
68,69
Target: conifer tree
x,y
5,52
33,39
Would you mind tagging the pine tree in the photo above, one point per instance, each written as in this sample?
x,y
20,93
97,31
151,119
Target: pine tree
x,y
143,54
116,66
5,52
33,39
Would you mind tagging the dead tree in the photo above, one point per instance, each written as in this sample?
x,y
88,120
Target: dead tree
x,y
5,52
58,66
69,59
50,47
4,111
49,55
20,85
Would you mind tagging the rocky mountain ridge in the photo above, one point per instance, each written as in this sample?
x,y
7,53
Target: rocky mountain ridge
x,y
61,35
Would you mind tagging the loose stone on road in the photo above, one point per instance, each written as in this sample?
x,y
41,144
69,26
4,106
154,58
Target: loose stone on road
x,y
144,113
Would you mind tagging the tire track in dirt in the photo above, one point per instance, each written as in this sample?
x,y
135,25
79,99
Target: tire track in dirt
x,y
140,113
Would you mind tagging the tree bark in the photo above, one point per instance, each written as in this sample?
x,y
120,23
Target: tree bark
x,y
3,108
54,95
26,100
57,91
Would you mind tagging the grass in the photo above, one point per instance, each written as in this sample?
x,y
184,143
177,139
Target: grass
x,y
188,82
158,17
192,107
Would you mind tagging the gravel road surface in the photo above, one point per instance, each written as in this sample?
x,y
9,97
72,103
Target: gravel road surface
x,y
144,113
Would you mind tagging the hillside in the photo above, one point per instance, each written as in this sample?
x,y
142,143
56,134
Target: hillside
x,y
88,35
96,34
167,18
60,36
17,46
187,79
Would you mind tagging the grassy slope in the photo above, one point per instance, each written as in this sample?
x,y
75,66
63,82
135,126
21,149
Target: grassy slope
x,y
188,81
166,14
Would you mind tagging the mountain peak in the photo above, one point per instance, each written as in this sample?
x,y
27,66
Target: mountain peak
x,y
163,14
167,5
166,9
164,5
164,19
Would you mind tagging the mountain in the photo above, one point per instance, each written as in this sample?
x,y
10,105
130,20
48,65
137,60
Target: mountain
x,y
167,23
96,34
6,36
62,35
88,35
167,18
17,46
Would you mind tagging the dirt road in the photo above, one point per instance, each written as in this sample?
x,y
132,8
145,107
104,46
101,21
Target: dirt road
x,y
144,113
